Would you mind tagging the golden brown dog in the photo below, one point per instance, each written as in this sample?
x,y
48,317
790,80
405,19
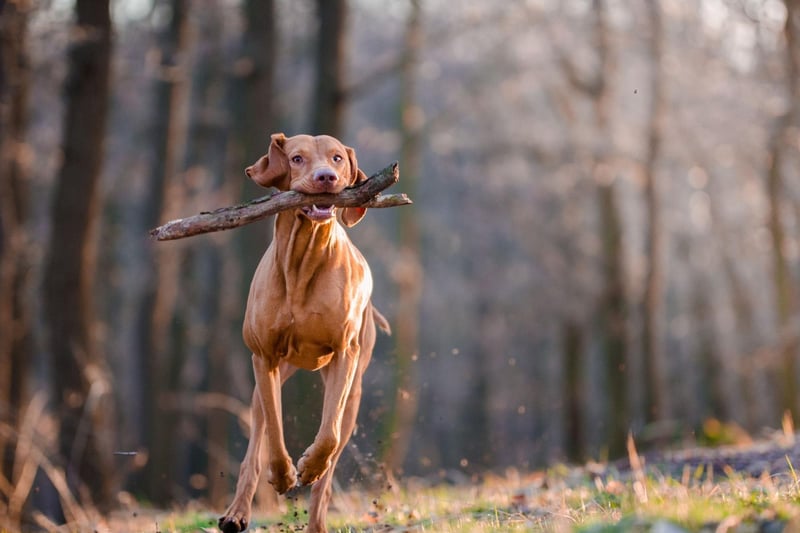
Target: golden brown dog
x,y
309,307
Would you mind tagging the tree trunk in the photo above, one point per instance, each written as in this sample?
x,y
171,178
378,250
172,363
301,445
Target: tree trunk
x,y
154,369
784,284
259,52
408,269
572,343
657,403
742,401
250,99
251,102
15,261
303,392
709,400
614,322
329,94
81,389
614,304
207,341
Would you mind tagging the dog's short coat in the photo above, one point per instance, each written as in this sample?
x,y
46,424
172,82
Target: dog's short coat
x,y
309,307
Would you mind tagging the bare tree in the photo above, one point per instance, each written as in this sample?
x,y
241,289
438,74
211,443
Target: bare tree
x,y
328,104
612,314
329,94
657,404
786,291
574,387
15,261
80,385
251,100
205,336
407,269
259,52
155,372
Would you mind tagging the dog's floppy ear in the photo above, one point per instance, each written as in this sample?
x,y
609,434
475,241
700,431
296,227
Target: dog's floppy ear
x,y
353,215
272,169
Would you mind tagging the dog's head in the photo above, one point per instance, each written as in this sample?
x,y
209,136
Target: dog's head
x,y
311,165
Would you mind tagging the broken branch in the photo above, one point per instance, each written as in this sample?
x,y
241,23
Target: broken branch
x,y
366,194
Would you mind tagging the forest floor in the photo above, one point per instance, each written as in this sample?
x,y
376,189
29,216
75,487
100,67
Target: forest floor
x,y
727,489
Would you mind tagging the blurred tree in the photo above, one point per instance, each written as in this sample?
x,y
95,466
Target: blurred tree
x,y
329,93
157,372
15,260
254,76
80,384
785,288
407,270
657,404
613,319
740,400
204,321
251,99
612,309
302,394
575,385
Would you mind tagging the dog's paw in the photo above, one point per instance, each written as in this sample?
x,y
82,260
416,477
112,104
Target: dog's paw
x,y
313,465
235,519
282,476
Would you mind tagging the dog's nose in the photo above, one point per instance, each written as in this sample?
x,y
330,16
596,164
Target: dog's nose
x,y
326,176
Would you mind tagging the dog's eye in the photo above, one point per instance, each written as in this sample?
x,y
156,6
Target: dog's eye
x,y
297,159
336,158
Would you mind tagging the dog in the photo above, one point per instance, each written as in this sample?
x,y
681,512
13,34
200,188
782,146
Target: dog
x,y
309,307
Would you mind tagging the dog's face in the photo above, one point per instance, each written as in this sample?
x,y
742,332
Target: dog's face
x,y
311,165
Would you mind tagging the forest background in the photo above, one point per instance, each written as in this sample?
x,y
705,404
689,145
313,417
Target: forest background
x,y
605,235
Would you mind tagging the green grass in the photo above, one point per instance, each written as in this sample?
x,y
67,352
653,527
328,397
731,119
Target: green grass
x,y
558,500
188,522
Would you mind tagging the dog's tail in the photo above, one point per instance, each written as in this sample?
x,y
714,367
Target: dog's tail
x,y
381,321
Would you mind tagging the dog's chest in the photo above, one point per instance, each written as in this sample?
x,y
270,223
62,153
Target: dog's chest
x,y
306,323
306,339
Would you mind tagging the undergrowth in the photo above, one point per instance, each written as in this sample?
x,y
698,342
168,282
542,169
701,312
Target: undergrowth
x,y
557,500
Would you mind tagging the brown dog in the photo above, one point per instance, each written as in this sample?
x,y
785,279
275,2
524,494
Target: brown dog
x,y
309,307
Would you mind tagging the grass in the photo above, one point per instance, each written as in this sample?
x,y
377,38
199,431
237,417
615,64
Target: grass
x,y
558,500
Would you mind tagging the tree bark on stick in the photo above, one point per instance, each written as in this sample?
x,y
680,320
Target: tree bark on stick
x,y
365,195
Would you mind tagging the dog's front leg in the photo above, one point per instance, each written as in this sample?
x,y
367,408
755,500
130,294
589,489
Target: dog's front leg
x,y
282,474
237,516
337,377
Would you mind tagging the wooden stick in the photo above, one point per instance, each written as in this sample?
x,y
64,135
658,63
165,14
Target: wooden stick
x,y
366,194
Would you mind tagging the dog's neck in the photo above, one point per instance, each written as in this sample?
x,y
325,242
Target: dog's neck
x,y
301,245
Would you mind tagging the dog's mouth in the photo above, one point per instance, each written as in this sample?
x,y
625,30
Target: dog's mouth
x,y
318,213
